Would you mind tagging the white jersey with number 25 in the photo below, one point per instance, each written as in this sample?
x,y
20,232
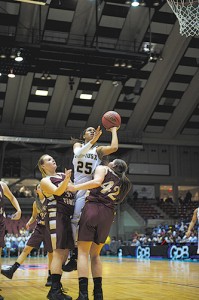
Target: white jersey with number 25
x,y
85,166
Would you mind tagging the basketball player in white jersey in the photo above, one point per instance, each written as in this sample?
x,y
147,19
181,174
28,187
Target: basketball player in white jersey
x,y
87,156
192,223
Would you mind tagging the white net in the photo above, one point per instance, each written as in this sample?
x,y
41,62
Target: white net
x,y
187,12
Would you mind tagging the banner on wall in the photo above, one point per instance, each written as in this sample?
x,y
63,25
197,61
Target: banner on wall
x,y
144,191
174,252
149,169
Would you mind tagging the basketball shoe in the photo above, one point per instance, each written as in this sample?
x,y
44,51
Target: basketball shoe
x,y
57,293
49,281
70,266
8,273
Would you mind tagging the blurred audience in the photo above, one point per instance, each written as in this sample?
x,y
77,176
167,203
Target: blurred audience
x,y
161,235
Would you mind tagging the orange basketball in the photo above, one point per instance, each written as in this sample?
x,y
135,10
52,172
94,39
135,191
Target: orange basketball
x,y
111,119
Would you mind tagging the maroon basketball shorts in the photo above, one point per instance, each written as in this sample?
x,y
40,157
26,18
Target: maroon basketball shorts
x,y
60,231
95,222
39,235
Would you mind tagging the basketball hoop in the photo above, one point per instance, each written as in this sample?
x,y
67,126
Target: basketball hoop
x,y
187,12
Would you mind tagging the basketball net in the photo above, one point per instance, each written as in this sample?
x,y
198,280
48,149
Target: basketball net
x,y
187,12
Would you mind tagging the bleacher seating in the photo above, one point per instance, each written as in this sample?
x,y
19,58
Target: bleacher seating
x,y
145,209
169,209
186,211
179,211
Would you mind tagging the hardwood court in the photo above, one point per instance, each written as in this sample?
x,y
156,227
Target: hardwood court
x,y
125,278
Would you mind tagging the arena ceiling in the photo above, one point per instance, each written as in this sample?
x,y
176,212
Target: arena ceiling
x,y
129,59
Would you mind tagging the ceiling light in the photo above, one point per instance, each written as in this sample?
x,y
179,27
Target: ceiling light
x,y
156,3
129,65
12,55
116,64
48,77
123,64
115,83
11,74
43,77
2,55
151,58
135,3
97,81
155,56
85,96
41,92
19,58
146,47
33,2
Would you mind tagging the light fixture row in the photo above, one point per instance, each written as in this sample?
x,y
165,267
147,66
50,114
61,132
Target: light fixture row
x,y
46,76
136,3
37,2
115,83
155,56
10,74
17,56
123,64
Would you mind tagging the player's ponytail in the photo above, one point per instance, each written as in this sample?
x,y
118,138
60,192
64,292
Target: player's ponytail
x,y
40,163
120,168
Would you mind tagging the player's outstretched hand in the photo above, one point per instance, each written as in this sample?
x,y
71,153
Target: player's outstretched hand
x,y
188,233
68,174
96,136
112,129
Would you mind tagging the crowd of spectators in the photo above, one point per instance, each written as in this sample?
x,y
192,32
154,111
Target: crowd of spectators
x,y
23,192
162,234
15,243
165,234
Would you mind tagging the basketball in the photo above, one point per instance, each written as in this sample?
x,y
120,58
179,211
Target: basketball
x,y
111,119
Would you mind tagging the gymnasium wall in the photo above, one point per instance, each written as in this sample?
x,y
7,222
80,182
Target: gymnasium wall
x,y
182,161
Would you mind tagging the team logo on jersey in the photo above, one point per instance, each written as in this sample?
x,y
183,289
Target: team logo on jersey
x,y
91,155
